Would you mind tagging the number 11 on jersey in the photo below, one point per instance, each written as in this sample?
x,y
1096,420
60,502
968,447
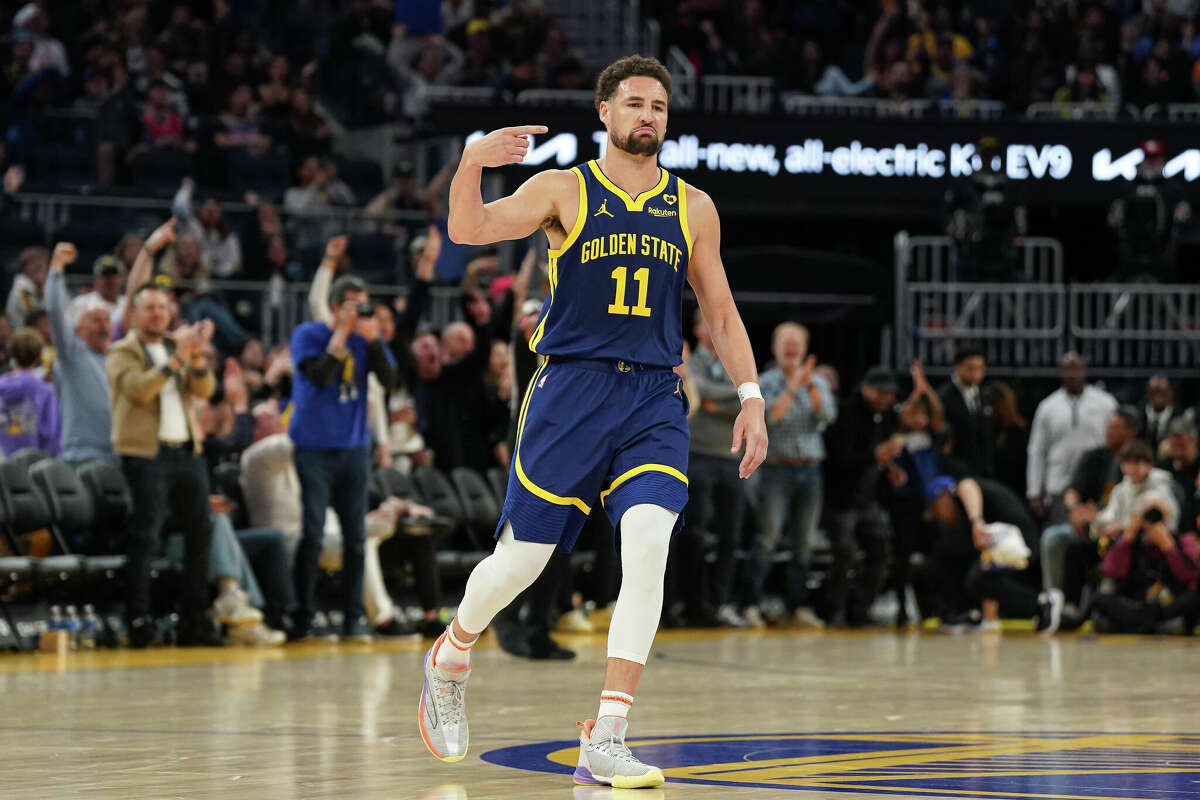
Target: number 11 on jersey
x,y
617,306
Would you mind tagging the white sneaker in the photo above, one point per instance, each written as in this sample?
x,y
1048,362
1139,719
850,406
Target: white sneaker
x,y
257,635
728,616
575,621
754,617
604,758
805,618
442,713
233,608
990,626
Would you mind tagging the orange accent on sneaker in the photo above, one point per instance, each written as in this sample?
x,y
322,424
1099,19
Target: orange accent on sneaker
x,y
433,657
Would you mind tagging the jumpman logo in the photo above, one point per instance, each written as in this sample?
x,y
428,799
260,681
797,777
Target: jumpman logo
x,y
604,209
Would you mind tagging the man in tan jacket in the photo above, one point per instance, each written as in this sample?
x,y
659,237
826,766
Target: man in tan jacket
x,y
154,377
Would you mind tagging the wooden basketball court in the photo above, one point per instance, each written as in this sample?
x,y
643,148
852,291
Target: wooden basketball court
x,y
726,714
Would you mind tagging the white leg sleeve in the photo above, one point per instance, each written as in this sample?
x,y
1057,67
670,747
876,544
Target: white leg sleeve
x,y
645,538
376,600
499,578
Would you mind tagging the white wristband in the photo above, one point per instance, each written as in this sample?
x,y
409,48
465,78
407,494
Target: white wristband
x,y
748,390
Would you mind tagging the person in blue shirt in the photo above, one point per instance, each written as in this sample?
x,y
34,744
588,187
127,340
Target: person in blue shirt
x,y
332,447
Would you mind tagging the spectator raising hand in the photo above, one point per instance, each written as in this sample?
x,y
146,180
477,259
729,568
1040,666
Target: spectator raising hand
x,y
64,255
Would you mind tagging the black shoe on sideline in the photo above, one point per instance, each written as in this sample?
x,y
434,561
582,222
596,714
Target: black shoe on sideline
x,y
143,632
198,631
542,647
358,630
512,637
395,629
430,628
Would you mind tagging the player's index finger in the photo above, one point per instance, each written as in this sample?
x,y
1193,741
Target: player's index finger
x,y
521,130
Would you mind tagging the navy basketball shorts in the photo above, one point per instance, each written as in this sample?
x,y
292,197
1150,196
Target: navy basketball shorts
x,y
592,431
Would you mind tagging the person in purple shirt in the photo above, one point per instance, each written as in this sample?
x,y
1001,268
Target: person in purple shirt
x,y
28,405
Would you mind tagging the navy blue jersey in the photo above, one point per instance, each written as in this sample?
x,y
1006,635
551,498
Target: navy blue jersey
x,y
616,283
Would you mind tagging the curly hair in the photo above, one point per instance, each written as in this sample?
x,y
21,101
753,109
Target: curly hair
x,y
628,67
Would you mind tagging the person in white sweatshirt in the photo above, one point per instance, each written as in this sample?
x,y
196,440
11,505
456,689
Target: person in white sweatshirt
x,y
1066,424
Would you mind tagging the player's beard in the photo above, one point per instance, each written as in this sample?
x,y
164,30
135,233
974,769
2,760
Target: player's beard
x,y
637,145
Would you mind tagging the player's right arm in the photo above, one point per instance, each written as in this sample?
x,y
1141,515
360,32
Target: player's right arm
x,y
513,217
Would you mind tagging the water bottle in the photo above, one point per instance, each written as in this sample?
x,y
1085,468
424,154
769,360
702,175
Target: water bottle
x,y
89,631
57,623
73,626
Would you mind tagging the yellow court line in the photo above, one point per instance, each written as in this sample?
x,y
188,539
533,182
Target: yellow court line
x,y
972,792
195,656
811,768
172,656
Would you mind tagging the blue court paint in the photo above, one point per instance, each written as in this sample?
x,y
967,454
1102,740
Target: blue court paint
x,y
982,764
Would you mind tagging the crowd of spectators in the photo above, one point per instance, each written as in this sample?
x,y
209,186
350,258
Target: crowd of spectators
x,y
148,90
1137,52
142,90
944,499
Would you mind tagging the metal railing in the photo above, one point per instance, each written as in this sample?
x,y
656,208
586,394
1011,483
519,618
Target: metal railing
x,y
924,259
1137,328
1081,111
1019,325
1024,327
683,77
279,308
971,109
737,94
458,95
806,105
651,38
1179,112
55,211
556,98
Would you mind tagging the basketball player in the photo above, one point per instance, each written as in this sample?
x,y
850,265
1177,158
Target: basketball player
x,y
604,416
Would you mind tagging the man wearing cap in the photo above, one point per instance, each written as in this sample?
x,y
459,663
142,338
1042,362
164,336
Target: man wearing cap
x,y
1146,219
857,525
108,273
1069,422
1181,459
48,52
962,511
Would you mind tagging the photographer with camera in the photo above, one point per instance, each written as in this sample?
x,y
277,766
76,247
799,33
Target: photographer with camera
x,y
332,448
1153,575
1146,568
